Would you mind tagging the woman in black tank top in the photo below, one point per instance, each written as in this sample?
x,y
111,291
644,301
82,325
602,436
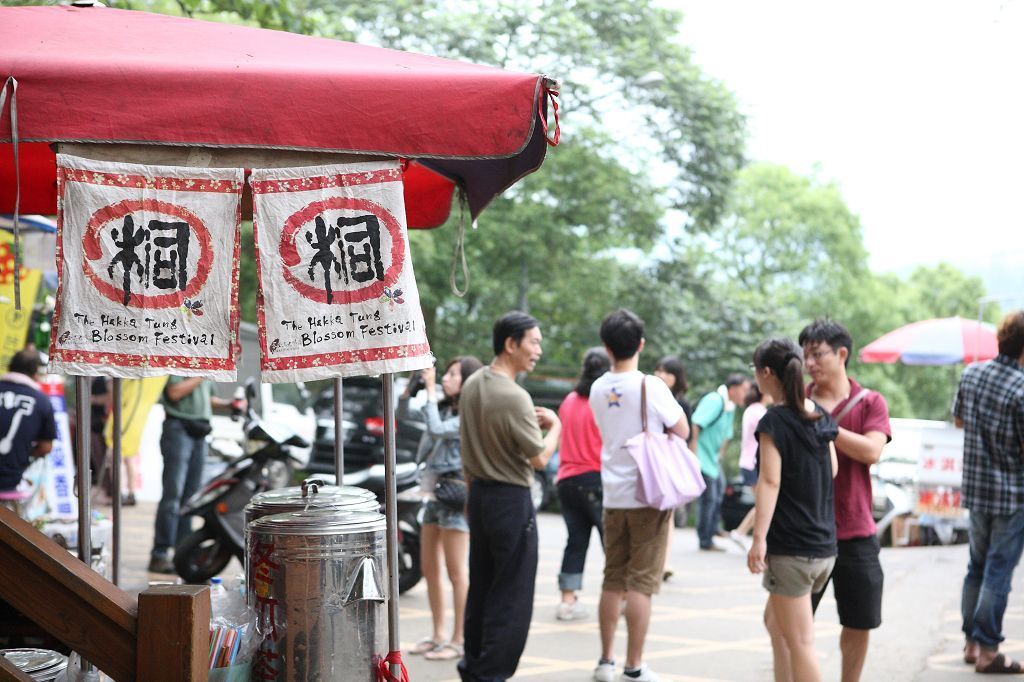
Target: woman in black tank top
x,y
794,529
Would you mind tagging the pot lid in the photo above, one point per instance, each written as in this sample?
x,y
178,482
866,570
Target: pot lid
x,y
295,498
34,660
321,521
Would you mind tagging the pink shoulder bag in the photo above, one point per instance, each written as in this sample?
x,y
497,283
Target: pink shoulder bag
x,y
668,472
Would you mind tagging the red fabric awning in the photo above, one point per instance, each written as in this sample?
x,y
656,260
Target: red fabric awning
x,y
97,74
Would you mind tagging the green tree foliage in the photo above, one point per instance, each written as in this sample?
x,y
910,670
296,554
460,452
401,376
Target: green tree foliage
x,y
787,250
552,244
754,251
548,246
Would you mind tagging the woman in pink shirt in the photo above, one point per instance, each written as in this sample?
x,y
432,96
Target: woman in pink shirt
x,y
757,404
579,481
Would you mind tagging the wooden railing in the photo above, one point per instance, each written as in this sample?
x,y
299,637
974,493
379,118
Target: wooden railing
x,y
164,635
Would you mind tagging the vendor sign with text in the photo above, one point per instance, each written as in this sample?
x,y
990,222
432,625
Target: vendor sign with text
x,y
337,294
148,263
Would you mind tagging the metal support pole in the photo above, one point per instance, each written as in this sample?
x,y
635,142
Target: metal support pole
x,y
83,395
83,403
339,432
115,484
391,514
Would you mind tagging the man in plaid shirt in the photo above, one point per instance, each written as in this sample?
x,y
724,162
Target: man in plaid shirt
x,y
989,406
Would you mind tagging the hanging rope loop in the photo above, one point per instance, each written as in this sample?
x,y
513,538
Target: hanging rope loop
x,y
550,95
459,252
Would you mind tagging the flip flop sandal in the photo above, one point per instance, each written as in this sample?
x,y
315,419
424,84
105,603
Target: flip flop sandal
x,y
425,646
970,659
999,666
445,652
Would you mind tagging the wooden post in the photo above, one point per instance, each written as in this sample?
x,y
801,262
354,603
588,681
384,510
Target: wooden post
x,y
9,671
66,598
174,633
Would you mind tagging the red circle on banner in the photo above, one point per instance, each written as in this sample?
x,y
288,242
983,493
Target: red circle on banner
x,y
93,251
290,254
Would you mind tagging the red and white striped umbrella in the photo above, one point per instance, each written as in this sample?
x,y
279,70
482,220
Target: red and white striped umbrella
x,y
942,341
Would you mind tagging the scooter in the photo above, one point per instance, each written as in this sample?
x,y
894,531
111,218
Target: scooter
x,y
221,502
410,504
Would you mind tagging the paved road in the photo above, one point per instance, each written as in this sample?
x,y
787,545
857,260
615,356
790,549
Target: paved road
x,y
707,619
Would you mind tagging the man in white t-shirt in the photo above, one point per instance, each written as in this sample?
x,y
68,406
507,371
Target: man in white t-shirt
x,y
635,536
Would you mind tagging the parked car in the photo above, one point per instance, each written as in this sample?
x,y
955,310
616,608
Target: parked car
x,y
363,427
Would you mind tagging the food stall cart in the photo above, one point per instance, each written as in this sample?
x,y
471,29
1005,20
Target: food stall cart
x,y
134,87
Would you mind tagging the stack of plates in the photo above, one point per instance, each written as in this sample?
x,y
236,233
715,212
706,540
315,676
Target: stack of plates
x,y
39,664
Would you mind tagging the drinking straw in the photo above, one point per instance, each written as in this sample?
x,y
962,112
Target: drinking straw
x,y
234,649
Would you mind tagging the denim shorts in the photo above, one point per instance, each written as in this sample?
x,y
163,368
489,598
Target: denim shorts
x,y
436,513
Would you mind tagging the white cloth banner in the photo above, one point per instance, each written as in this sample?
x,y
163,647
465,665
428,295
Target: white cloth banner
x,y
337,294
147,258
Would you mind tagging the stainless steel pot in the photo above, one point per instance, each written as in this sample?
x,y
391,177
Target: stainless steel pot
x,y
316,579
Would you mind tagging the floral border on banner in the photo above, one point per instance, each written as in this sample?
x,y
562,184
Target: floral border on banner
x,y
98,363
312,366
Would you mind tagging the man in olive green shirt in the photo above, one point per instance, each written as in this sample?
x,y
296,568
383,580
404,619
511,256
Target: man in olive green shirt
x,y
188,404
502,445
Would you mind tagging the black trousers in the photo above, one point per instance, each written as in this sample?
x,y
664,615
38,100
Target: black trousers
x,y
502,572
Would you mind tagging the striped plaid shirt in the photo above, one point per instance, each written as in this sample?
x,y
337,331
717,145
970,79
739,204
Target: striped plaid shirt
x,y
990,402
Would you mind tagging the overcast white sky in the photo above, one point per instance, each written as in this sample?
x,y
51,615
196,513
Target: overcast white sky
x,y
915,107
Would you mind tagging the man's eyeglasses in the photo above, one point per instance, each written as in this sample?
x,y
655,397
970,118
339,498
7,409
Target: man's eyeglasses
x,y
819,354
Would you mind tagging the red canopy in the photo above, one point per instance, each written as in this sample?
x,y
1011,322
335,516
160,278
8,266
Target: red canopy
x,y
95,74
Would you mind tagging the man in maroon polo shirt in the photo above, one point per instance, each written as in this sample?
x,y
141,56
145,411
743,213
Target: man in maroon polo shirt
x,y
863,419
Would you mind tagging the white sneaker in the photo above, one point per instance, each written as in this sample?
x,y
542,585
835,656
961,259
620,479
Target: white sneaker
x,y
604,672
645,675
573,611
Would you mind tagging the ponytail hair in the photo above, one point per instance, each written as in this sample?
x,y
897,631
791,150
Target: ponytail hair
x,y
595,363
785,360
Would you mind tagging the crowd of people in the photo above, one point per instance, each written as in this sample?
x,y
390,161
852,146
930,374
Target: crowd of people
x,y
807,448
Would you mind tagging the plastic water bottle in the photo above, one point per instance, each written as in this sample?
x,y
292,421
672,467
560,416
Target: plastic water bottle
x,y
218,597
238,585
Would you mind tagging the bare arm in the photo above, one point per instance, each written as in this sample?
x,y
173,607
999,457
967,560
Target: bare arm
x,y
694,435
42,448
549,420
766,495
179,390
866,448
835,458
681,428
219,403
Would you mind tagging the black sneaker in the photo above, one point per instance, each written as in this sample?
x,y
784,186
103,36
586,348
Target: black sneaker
x,y
161,564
